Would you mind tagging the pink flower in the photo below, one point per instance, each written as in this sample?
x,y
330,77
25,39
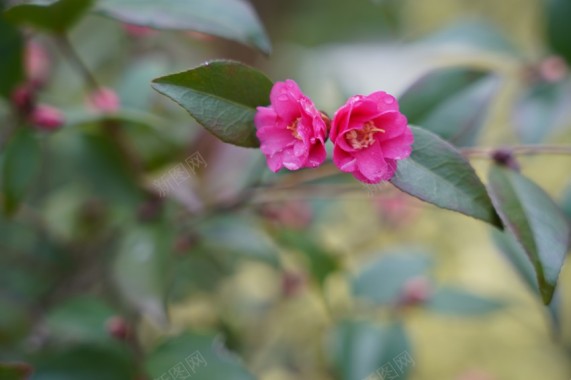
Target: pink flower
x,y
370,135
46,117
292,132
37,63
103,100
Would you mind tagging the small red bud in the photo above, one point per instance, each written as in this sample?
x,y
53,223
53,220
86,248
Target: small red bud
x,y
23,98
46,117
118,328
415,291
37,63
292,283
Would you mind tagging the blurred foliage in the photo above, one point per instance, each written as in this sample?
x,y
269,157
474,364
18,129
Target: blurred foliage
x,y
121,257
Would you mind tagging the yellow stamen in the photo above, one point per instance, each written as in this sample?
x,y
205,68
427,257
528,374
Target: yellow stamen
x,y
363,138
293,128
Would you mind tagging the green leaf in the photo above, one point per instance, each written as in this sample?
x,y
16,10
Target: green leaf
x,y
12,53
360,350
79,320
558,27
55,16
231,19
139,270
479,35
104,168
15,371
222,96
458,302
541,110
566,202
201,355
450,102
437,173
22,162
516,256
382,281
238,237
320,262
535,220
112,362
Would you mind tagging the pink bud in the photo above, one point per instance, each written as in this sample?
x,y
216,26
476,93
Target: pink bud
x,y
138,31
23,98
118,328
553,69
37,63
46,117
104,100
292,283
416,290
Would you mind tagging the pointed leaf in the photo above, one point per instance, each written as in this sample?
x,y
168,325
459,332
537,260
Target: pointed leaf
x,y
360,350
437,173
200,354
459,302
450,102
231,19
222,96
382,281
50,15
516,256
535,220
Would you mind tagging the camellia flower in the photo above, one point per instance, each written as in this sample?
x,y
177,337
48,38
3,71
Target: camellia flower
x,y
292,132
370,135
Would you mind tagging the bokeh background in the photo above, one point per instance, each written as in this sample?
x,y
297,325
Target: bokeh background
x,y
103,277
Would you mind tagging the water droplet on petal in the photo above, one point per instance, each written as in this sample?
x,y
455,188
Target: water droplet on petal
x,y
389,100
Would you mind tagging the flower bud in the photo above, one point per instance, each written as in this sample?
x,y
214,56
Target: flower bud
x,y
415,291
104,100
23,99
46,117
138,31
118,328
37,63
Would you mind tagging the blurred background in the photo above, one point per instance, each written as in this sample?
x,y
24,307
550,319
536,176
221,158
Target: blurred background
x,y
115,264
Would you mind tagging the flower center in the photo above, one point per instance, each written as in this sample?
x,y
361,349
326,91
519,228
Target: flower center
x,y
293,128
363,138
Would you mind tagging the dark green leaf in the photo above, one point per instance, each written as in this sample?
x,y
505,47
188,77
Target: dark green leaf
x,y
450,102
513,252
535,220
360,350
566,202
558,27
140,268
104,167
222,96
55,16
15,371
382,281
79,320
437,173
12,53
231,19
200,355
541,110
111,362
22,161
458,302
